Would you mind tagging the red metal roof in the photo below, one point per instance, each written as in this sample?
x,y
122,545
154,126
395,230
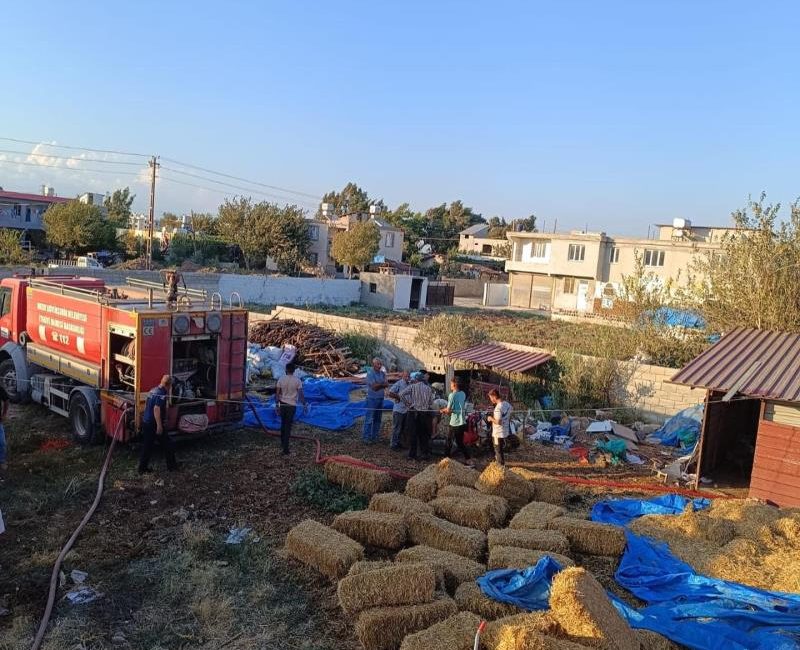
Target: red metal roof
x,y
500,357
760,363
33,198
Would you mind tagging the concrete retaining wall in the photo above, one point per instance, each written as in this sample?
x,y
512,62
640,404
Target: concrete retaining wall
x,y
467,287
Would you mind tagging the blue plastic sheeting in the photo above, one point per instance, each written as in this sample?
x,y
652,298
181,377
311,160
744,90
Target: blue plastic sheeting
x,y
622,511
682,429
321,390
678,318
528,589
702,612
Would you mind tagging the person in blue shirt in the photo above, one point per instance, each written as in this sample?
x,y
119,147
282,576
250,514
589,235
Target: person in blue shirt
x,y
456,403
155,412
376,386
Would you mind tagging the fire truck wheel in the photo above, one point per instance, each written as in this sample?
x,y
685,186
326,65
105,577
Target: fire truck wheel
x,y
8,376
81,416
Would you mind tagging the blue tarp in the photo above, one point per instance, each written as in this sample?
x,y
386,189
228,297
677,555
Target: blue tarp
x,y
328,407
622,511
528,589
682,429
678,318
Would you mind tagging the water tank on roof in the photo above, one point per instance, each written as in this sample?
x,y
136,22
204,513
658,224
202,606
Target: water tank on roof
x,y
683,224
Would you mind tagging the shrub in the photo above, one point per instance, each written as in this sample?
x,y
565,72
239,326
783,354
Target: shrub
x,y
312,486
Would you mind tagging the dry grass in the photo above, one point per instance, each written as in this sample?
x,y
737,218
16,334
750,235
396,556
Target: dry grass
x,y
481,511
384,628
503,632
502,482
380,529
397,503
583,610
447,536
360,479
536,515
654,641
323,548
536,540
423,486
451,472
454,633
470,597
590,537
511,557
764,551
456,569
403,583
546,488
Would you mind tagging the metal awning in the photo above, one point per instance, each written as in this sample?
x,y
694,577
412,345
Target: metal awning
x,y
501,357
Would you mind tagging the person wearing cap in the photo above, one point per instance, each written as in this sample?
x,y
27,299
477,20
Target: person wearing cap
x,y
418,397
155,412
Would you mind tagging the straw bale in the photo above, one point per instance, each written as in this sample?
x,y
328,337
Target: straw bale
x,y
536,540
505,630
405,583
536,515
470,596
447,536
500,481
583,610
360,479
481,513
397,503
454,633
380,529
654,641
422,486
323,548
547,488
526,639
590,537
455,568
451,472
384,628
511,557
363,566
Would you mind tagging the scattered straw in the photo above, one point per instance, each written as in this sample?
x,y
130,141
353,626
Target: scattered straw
x,y
451,472
447,536
764,552
479,512
380,529
511,557
469,596
547,488
456,569
323,548
536,515
422,486
401,504
536,540
454,633
590,537
580,605
654,641
500,481
361,479
384,628
405,583
505,630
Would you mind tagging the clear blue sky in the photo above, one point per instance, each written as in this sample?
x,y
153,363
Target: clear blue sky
x,y
615,114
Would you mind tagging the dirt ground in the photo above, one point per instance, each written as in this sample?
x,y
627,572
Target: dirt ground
x,y
156,547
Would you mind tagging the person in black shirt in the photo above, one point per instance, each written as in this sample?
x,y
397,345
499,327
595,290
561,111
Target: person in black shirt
x,y
155,411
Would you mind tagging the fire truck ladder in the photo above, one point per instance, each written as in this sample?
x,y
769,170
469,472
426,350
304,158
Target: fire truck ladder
x,y
232,340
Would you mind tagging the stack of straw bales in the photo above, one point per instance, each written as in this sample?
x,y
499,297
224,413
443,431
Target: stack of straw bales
x,y
534,539
323,548
423,486
536,515
470,596
456,569
401,583
360,479
546,488
400,504
511,557
380,529
504,632
502,482
451,472
454,633
590,537
468,507
447,536
384,628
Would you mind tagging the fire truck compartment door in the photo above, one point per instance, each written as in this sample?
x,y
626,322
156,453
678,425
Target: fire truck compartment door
x,y
64,364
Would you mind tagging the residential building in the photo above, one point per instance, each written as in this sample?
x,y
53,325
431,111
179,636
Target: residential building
x,y
475,241
24,211
393,291
573,271
92,198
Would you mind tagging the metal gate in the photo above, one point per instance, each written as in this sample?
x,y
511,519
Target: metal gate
x,y
441,294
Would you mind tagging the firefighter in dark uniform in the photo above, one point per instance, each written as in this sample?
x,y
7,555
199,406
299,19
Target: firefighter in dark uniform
x,y
155,412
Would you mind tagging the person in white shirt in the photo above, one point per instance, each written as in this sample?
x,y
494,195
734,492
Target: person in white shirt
x,y
501,424
287,393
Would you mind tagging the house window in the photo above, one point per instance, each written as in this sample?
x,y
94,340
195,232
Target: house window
x,y
313,233
569,285
539,249
313,258
486,249
28,213
389,240
17,210
653,257
373,287
576,252
613,255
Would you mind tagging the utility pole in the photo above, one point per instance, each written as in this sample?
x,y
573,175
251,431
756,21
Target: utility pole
x,y
153,163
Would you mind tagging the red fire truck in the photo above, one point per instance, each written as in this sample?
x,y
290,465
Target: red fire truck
x,y
89,352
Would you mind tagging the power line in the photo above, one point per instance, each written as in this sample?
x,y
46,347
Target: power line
x,y
227,193
70,169
66,146
94,160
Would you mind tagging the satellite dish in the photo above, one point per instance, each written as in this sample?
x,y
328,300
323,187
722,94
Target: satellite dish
x,y
420,244
427,248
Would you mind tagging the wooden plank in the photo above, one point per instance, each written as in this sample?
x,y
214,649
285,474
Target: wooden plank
x,y
781,497
776,465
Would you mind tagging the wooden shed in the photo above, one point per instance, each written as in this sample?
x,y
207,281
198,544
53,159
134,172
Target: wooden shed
x,y
751,424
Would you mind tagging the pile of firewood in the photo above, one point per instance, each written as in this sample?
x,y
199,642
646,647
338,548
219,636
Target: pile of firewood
x,y
318,350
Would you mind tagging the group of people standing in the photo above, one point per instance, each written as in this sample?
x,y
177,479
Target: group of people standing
x,y
414,412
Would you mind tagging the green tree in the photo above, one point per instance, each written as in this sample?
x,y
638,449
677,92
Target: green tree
x,y
497,228
118,205
11,251
203,223
286,236
443,223
752,281
528,224
170,221
445,333
239,223
351,199
357,246
76,227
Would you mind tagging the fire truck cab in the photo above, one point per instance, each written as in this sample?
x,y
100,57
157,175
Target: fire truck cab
x,y
92,353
